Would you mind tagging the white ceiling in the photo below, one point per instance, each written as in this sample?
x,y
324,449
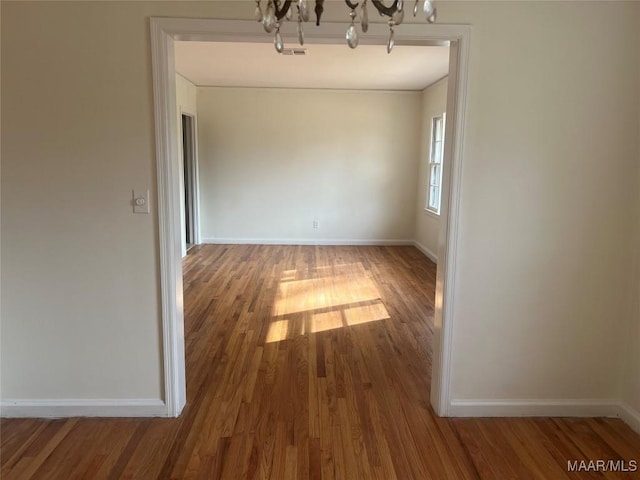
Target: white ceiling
x,y
368,67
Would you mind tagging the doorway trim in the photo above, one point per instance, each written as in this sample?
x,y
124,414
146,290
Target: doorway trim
x,y
164,31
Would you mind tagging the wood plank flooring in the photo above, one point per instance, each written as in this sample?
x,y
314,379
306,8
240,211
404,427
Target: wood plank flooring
x,y
309,363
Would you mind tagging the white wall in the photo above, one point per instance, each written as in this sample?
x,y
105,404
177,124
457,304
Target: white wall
x,y
434,102
80,278
185,103
631,362
185,96
548,201
630,367
273,160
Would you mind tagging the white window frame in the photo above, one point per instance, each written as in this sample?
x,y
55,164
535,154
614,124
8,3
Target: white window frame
x,y
435,160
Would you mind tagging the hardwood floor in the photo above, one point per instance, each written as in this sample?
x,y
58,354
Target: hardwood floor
x,y
310,363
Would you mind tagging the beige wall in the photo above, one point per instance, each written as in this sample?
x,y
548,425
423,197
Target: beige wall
x,y
185,96
631,362
273,160
185,103
434,102
80,313
548,200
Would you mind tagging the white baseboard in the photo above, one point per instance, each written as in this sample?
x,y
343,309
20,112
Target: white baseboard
x,y
534,408
83,408
305,241
430,255
546,408
629,415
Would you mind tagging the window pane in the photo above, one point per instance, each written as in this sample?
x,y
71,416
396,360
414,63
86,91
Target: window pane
x,y
433,197
438,128
435,175
437,152
435,164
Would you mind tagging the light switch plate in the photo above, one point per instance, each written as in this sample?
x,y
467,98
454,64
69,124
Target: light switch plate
x,y
140,201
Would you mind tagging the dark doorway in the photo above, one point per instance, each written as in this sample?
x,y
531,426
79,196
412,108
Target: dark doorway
x,y
189,166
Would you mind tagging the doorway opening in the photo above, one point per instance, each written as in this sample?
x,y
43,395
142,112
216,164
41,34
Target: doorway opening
x,y
190,180
164,31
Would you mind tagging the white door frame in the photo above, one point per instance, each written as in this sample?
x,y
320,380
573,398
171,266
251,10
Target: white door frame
x,y
163,33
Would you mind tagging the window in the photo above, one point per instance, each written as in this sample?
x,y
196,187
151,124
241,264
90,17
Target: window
x,y
434,190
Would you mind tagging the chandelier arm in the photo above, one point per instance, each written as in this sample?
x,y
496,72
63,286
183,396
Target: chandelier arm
x,y
351,5
319,9
281,12
382,8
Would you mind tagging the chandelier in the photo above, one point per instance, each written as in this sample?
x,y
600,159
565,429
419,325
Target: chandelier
x,y
277,11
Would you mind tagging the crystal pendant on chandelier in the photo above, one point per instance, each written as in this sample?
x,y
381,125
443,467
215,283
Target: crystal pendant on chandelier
x,y
273,13
352,34
429,11
303,9
270,20
398,17
364,17
277,41
300,32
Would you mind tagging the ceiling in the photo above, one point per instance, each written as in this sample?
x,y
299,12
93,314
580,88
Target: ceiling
x,y
368,67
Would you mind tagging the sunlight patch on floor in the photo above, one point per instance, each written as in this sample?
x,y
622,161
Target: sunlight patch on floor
x,y
326,292
318,272
366,314
321,322
277,331
288,275
329,301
